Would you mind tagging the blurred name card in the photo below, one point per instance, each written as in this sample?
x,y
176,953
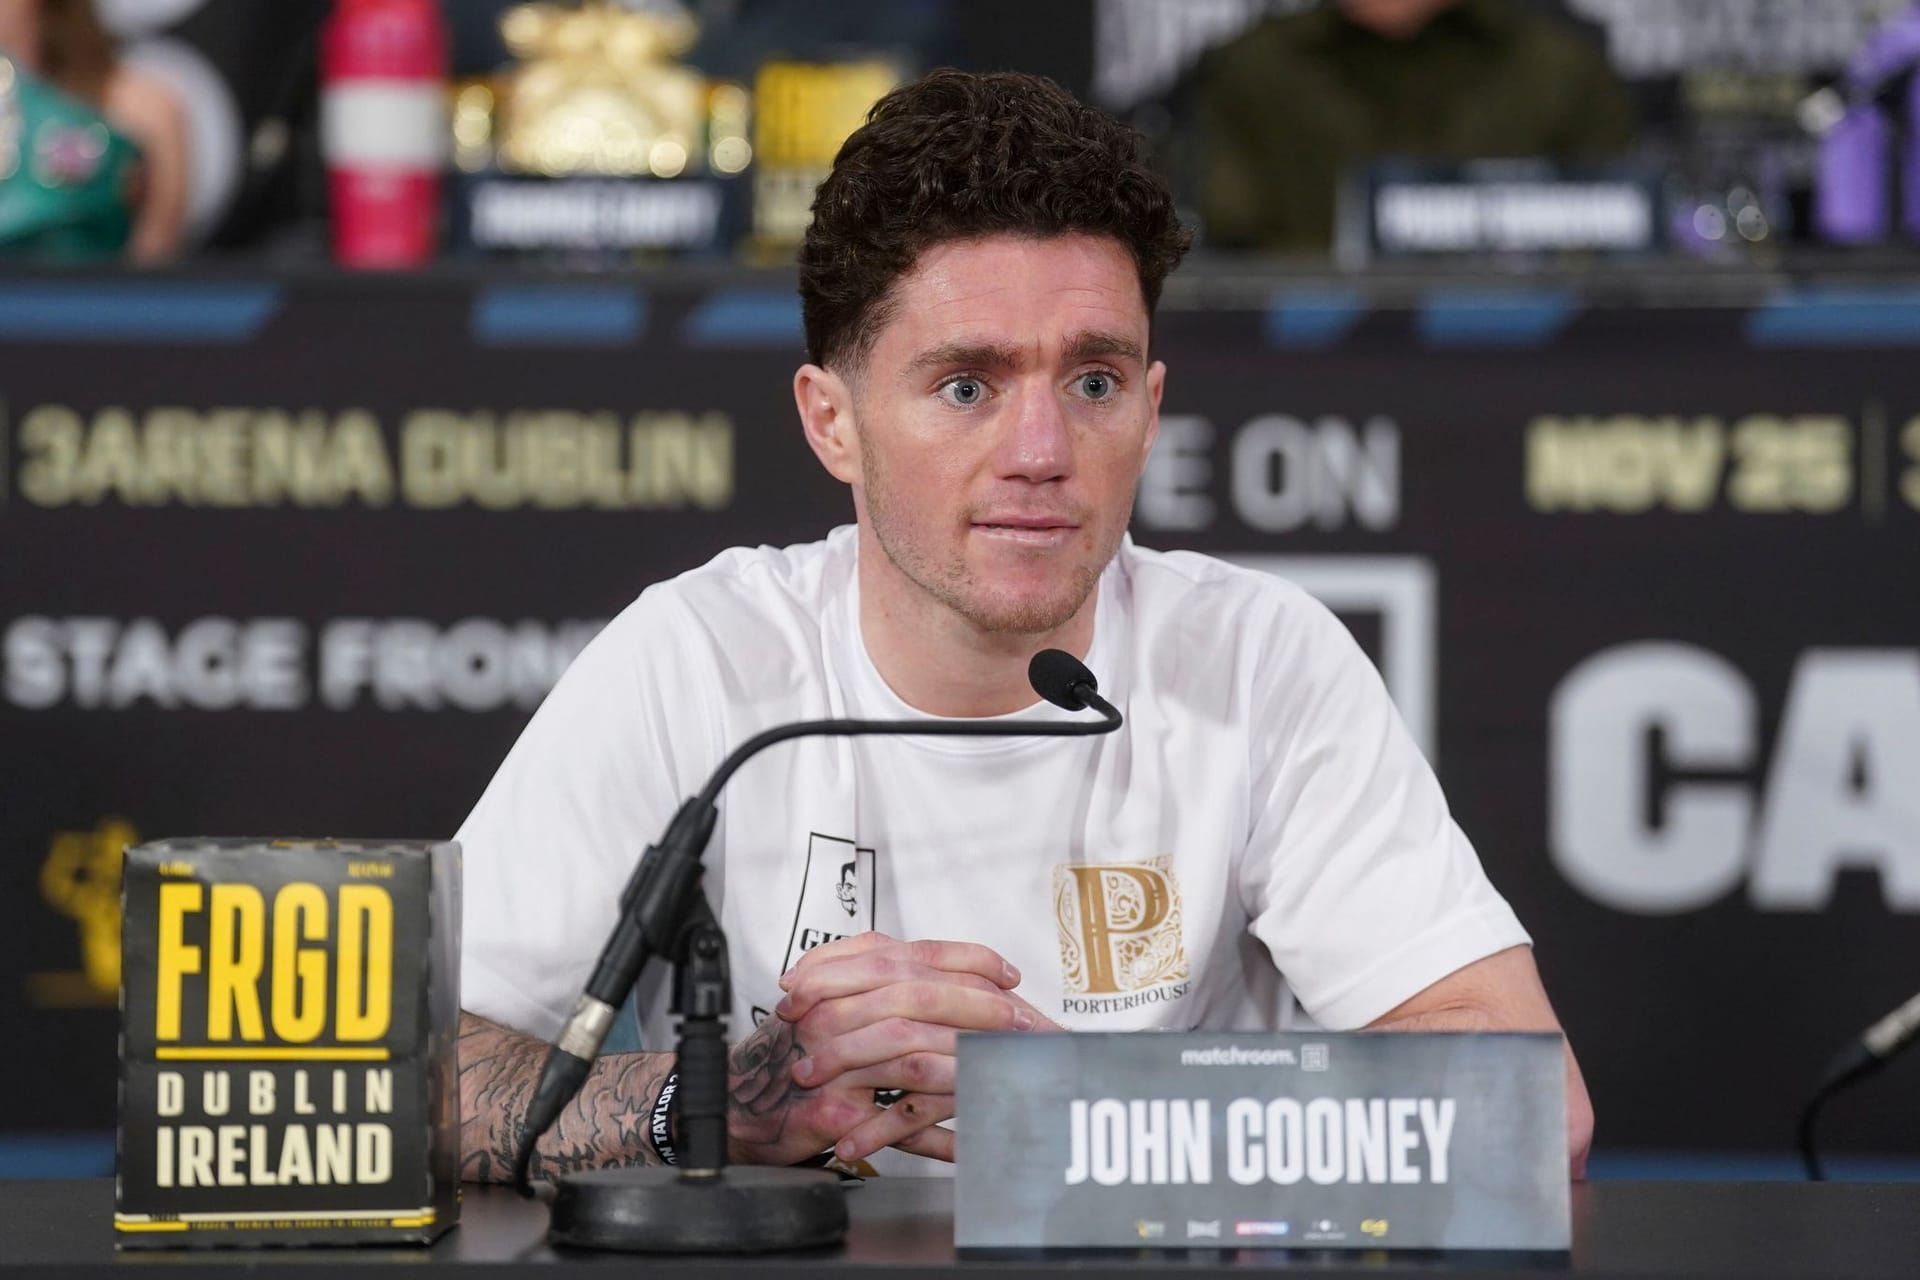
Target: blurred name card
x,y
497,214
1487,209
1262,1141
288,1013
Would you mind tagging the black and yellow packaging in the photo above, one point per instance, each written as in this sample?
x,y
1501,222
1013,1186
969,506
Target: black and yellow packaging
x,y
288,1065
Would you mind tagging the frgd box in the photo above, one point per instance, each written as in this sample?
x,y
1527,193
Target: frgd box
x,y
288,1066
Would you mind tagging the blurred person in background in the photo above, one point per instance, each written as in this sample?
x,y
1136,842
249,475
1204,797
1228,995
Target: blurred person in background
x,y
1283,113
93,152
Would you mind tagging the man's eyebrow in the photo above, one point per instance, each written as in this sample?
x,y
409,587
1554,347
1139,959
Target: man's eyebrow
x,y
968,355
1089,345
1094,344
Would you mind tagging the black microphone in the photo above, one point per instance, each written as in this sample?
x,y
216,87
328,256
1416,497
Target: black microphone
x,y
655,903
1064,680
1874,1048
1878,1045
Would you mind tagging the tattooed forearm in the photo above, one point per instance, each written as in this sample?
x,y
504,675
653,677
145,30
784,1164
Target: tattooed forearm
x,y
605,1126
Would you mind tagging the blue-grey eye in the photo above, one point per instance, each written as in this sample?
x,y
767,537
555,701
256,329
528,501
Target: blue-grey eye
x,y
967,390
1096,386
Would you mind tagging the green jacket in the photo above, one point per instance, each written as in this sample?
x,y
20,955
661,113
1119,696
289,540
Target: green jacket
x,y
1278,116
68,182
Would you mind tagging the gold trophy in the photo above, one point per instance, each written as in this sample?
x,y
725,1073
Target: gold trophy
x,y
596,125
598,99
599,92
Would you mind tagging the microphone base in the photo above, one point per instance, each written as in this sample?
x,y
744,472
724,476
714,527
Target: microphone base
x,y
740,1209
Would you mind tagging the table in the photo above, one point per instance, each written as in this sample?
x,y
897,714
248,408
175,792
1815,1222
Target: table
x,y
902,1226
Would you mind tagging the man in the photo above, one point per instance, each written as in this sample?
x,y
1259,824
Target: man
x,y
977,285
1282,114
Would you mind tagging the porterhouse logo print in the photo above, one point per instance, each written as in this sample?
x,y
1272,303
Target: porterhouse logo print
x,y
1120,933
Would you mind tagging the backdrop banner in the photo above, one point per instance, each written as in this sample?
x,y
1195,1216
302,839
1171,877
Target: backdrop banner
x,y
300,556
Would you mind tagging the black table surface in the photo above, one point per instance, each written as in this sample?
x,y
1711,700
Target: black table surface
x,y
1637,1229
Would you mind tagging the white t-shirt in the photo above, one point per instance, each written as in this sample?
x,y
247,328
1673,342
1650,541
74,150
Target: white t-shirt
x,y
1262,813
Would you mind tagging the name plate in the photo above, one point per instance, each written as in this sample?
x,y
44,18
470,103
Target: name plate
x,y
1320,1140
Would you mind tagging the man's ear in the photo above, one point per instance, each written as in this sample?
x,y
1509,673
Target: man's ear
x,y
1156,384
825,402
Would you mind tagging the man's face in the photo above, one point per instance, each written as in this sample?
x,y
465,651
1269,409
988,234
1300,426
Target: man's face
x,y
1394,19
1001,422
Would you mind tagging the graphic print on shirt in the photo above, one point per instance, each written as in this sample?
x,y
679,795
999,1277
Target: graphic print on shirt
x,y
1121,944
836,895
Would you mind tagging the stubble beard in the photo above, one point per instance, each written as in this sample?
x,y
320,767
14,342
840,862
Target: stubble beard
x,y
953,585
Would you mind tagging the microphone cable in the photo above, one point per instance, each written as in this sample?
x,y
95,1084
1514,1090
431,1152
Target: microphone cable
x,y
1878,1045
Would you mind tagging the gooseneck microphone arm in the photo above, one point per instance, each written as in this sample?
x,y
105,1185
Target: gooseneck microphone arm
x,y
1871,1050
661,894
1109,721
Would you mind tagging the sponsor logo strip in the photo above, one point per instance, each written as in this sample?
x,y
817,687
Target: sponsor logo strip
x,y
162,1222
292,1053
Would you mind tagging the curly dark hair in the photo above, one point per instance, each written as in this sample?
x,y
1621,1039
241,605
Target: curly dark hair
x,y
958,154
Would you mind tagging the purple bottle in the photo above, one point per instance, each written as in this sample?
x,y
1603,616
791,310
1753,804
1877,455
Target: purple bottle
x,y
1852,202
1850,181
1910,163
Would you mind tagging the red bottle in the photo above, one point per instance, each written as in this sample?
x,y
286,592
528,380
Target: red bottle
x,y
383,128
